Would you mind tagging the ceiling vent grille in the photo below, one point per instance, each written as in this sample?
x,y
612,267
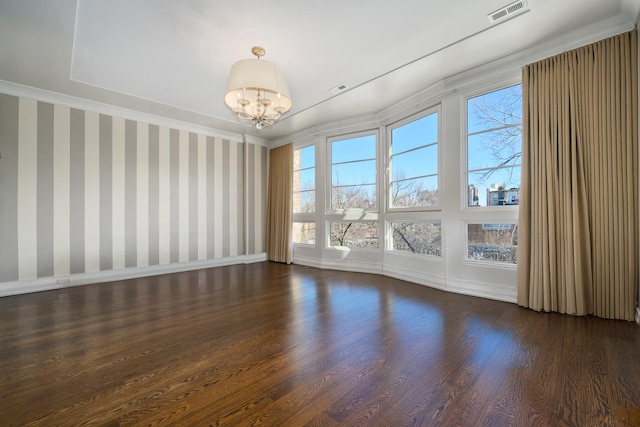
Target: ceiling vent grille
x,y
339,89
508,12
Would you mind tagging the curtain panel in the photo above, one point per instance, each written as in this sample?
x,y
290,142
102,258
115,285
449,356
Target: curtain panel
x,y
279,204
578,248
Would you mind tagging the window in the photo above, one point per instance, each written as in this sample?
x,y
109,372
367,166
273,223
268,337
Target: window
x,y
304,180
304,233
362,235
417,237
494,148
493,242
353,173
413,163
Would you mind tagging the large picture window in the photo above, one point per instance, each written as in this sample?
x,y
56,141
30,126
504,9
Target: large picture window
x,y
494,148
413,163
353,173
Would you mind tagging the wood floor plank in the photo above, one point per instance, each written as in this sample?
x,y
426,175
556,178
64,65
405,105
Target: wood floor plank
x,y
268,344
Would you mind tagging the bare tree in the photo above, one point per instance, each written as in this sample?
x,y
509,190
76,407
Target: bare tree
x,y
493,244
350,233
355,234
411,192
501,115
352,197
417,237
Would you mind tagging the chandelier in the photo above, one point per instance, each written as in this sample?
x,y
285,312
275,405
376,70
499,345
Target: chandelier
x,y
257,90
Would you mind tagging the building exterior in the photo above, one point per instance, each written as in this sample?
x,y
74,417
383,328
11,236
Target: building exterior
x,y
473,196
501,196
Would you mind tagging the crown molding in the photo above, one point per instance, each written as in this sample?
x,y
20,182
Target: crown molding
x,y
507,68
631,9
19,90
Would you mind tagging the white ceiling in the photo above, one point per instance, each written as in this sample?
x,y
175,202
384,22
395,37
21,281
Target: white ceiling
x,y
172,58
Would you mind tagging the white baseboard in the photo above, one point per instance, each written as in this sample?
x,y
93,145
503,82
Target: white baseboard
x,y
419,277
471,288
60,282
356,266
484,290
307,261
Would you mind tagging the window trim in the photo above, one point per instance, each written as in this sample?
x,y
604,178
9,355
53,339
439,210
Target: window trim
x,y
437,109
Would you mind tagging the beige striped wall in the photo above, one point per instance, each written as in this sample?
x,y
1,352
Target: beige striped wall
x,y
84,192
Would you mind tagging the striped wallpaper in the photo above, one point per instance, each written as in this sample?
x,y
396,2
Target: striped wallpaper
x,y
83,192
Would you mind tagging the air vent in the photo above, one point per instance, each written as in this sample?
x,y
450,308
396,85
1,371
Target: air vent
x,y
339,89
508,12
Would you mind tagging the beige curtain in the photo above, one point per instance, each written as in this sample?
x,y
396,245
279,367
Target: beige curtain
x,y
578,248
279,204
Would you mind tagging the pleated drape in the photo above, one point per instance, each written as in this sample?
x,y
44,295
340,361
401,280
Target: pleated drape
x,y
578,242
279,204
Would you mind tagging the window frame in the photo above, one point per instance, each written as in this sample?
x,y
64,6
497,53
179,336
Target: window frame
x,y
436,109
315,182
307,217
329,210
464,191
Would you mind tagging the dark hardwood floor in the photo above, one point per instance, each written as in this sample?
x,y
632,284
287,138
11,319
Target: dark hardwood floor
x,y
276,345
